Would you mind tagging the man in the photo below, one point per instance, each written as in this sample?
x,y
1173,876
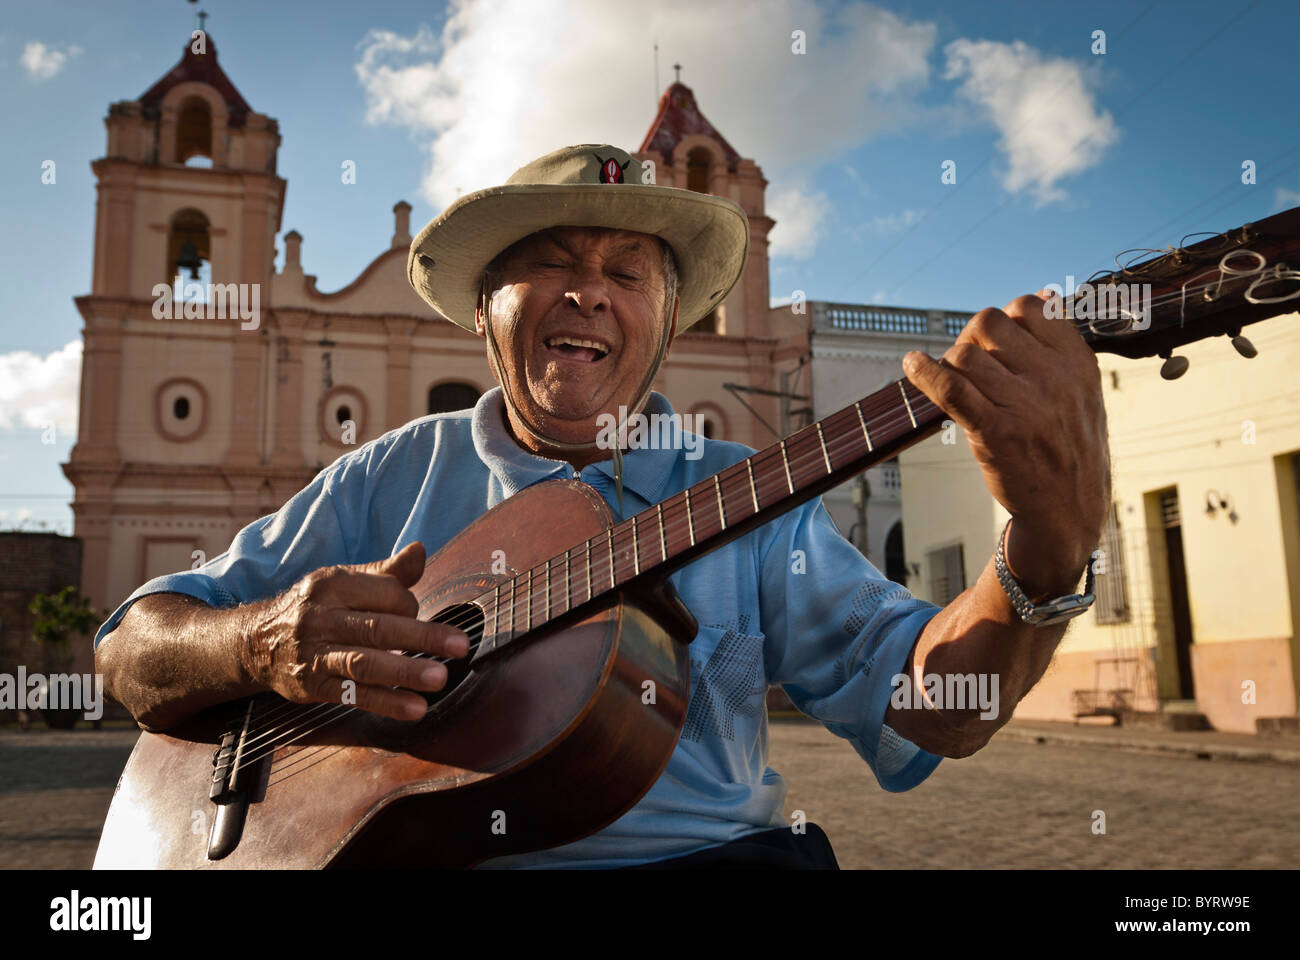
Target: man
x,y
578,276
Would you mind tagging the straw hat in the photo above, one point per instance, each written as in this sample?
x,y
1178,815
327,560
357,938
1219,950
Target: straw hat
x,y
587,185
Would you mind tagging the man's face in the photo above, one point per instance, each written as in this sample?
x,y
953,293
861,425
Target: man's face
x,y
578,313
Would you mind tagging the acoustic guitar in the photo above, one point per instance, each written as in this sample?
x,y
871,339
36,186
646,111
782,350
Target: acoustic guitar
x,y
576,687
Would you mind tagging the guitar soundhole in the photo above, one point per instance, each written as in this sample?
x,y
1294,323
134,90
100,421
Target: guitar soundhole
x,y
392,736
468,618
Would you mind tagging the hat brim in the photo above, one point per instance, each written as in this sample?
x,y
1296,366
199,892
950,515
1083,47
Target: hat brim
x,y
709,236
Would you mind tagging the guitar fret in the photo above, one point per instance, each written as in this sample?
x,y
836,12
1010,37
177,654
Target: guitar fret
x,y
663,546
690,523
610,534
636,559
786,461
907,403
496,611
548,588
568,583
825,456
753,491
528,601
588,569
863,421
722,513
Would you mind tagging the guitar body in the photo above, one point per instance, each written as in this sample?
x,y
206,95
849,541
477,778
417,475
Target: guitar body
x,y
526,750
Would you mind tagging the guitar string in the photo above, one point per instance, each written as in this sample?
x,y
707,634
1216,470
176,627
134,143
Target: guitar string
x,y
336,711
674,527
528,600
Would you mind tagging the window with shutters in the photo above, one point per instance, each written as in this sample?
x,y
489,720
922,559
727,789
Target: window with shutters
x,y
947,574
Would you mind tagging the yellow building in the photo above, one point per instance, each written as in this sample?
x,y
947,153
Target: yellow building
x,y
1198,610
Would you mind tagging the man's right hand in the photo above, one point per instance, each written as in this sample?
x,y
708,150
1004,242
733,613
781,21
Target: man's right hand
x,y
334,633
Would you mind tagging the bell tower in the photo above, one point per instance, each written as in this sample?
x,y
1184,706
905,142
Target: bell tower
x,y
690,153
175,365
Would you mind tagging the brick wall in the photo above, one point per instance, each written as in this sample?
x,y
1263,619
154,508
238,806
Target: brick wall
x,y
32,563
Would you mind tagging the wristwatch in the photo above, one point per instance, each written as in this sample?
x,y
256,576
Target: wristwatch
x,y
1043,614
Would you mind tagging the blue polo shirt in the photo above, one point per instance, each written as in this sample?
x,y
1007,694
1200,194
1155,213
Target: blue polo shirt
x,y
791,603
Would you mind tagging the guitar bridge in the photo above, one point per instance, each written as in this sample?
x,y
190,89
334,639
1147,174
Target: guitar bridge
x,y
229,789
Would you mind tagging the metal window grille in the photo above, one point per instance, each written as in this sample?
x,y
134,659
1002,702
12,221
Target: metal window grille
x,y
1112,584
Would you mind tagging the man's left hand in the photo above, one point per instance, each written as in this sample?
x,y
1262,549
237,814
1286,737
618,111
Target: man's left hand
x,y
1027,390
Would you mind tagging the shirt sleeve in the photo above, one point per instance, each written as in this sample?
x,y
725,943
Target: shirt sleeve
x,y
270,554
837,633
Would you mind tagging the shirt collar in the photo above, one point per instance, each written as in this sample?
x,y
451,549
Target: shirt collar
x,y
645,471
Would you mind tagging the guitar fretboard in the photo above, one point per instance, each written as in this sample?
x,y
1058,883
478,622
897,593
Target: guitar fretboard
x,y
713,512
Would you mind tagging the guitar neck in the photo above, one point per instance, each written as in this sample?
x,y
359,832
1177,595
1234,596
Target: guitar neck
x,y
1210,288
712,513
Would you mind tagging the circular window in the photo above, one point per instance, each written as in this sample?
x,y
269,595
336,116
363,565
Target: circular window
x,y
343,417
180,409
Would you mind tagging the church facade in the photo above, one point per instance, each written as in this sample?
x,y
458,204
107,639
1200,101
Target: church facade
x,y
215,386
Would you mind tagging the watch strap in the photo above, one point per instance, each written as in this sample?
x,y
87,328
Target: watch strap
x,y
1053,611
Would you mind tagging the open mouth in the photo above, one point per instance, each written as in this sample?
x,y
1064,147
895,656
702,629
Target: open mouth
x,y
577,348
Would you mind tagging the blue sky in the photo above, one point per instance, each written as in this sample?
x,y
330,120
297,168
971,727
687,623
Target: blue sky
x,y
1063,157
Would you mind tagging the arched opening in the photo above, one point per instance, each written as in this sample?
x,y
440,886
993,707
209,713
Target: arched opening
x,y
697,170
707,420
446,397
194,131
189,255
895,562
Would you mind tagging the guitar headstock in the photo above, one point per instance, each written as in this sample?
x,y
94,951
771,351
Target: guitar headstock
x,y
1213,287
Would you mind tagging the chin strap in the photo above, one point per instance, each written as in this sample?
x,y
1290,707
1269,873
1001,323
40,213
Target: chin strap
x,y
620,433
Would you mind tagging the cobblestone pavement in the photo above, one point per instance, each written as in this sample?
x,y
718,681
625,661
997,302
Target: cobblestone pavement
x,y
1014,804
1029,805
54,792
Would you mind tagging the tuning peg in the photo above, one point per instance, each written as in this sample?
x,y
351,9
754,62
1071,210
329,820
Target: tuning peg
x,y
1243,346
1173,367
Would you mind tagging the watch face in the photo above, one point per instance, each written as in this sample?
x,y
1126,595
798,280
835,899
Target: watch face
x,y
1056,612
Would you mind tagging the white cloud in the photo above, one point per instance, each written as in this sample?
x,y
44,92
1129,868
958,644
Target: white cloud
x,y
486,99
883,225
1285,198
36,391
1049,124
894,222
42,62
799,214
21,517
